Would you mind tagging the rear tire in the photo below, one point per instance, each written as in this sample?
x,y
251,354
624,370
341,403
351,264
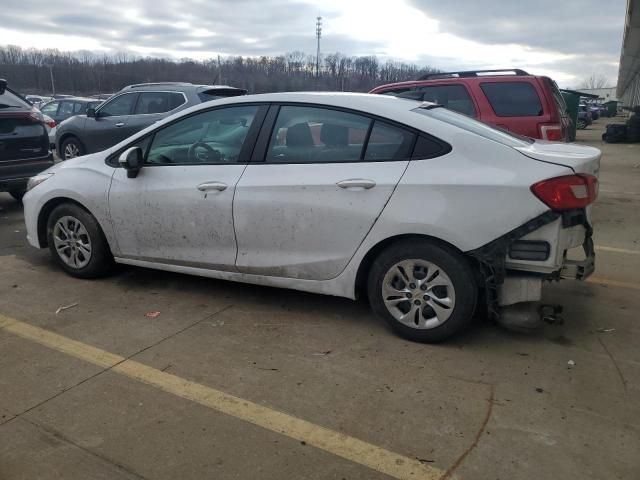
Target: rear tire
x,y
424,290
71,148
17,194
77,242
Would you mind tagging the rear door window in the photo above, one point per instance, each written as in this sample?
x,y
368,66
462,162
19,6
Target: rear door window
x,y
317,135
50,108
513,99
388,142
453,97
66,109
158,102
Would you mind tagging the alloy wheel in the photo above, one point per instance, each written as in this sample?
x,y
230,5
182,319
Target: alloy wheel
x,y
72,242
71,150
418,294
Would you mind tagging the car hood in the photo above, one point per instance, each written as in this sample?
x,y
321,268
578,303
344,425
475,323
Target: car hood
x,y
580,158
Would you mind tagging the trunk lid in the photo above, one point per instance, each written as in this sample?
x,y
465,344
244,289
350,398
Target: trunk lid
x,y
580,158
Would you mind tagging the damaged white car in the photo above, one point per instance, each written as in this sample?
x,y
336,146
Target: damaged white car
x,y
430,214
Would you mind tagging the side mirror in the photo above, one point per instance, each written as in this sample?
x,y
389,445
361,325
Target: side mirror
x,y
3,86
132,161
91,112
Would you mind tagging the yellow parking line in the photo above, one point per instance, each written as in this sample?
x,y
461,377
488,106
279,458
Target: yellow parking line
x,y
350,448
617,250
614,283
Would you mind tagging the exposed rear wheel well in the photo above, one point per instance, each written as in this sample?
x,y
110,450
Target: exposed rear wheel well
x,y
372,254
46,211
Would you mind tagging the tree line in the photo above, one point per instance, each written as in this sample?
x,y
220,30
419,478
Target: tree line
x,y
34,71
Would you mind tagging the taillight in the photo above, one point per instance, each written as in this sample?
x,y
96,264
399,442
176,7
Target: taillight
x,y
552,132
51,123
568,192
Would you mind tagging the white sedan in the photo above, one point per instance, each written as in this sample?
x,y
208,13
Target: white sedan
x,y
425,211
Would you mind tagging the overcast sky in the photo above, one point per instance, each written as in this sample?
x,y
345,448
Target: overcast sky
x,y
566,39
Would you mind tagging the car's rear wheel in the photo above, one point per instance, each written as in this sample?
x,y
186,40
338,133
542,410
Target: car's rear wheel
x,y
77,242
424,290
71,148
581,124
17,194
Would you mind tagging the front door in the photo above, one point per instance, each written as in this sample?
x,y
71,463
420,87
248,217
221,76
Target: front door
x,y
111,123
178,210
305,206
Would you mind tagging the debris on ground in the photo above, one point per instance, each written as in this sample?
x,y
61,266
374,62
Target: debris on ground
x,y
322,354
424,460
66,307
551,314
571,363
539,390
154,314
605,330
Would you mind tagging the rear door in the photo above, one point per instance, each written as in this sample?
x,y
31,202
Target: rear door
x,y
111,123
318,180
51,109
154,106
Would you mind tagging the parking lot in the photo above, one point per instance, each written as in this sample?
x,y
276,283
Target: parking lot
x,y
240,381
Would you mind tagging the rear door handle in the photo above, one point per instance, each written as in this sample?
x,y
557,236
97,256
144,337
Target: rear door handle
x,y
120,124
208,186
356,184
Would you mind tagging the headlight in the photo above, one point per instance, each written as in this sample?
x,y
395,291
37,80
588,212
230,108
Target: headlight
x,y
37,180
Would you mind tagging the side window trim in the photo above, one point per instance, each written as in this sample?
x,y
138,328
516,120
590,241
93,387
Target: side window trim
x,y
260,150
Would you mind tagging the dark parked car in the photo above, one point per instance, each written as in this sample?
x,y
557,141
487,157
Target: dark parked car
x,y
512,99
133,108
64,108
24,144
584,117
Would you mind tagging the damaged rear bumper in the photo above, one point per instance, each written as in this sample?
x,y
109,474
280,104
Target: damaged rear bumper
x,y
508,281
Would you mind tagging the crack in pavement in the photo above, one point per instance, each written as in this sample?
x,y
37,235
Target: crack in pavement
x,y
491,400
615,364
60,436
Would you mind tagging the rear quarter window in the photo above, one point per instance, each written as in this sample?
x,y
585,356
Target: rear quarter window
x,y
513,99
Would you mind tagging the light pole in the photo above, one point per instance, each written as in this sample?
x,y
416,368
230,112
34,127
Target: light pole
x,y
53,85
318,35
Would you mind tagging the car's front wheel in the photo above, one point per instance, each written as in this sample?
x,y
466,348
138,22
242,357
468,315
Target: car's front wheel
x,y
77,243
71,148
424,290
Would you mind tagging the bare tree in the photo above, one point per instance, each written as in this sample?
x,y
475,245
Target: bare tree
x,y
595,80
86,73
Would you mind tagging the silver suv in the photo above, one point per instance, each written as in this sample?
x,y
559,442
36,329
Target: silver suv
x,y
130,110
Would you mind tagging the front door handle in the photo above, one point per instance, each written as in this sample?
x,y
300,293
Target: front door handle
x,y
208,186
356,184
120,124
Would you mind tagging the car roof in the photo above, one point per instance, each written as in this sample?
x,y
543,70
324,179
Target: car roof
x,y
380,105
75,99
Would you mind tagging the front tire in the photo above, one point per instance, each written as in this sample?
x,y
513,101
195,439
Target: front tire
x,y
425,291
71,148
77,243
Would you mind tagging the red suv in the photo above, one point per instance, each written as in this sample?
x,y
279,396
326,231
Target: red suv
x,y
511,99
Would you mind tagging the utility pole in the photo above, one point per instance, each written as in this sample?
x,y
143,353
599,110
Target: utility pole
x,y
318,35
53,85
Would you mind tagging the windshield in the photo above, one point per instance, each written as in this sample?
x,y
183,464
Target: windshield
x,y
474,126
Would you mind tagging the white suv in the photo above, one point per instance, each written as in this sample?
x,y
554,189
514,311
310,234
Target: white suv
x,y
422,209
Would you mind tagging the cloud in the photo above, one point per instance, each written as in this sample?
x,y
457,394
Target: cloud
x,y
570,39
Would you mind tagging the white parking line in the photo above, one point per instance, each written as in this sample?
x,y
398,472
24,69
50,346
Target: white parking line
x,y
617,250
